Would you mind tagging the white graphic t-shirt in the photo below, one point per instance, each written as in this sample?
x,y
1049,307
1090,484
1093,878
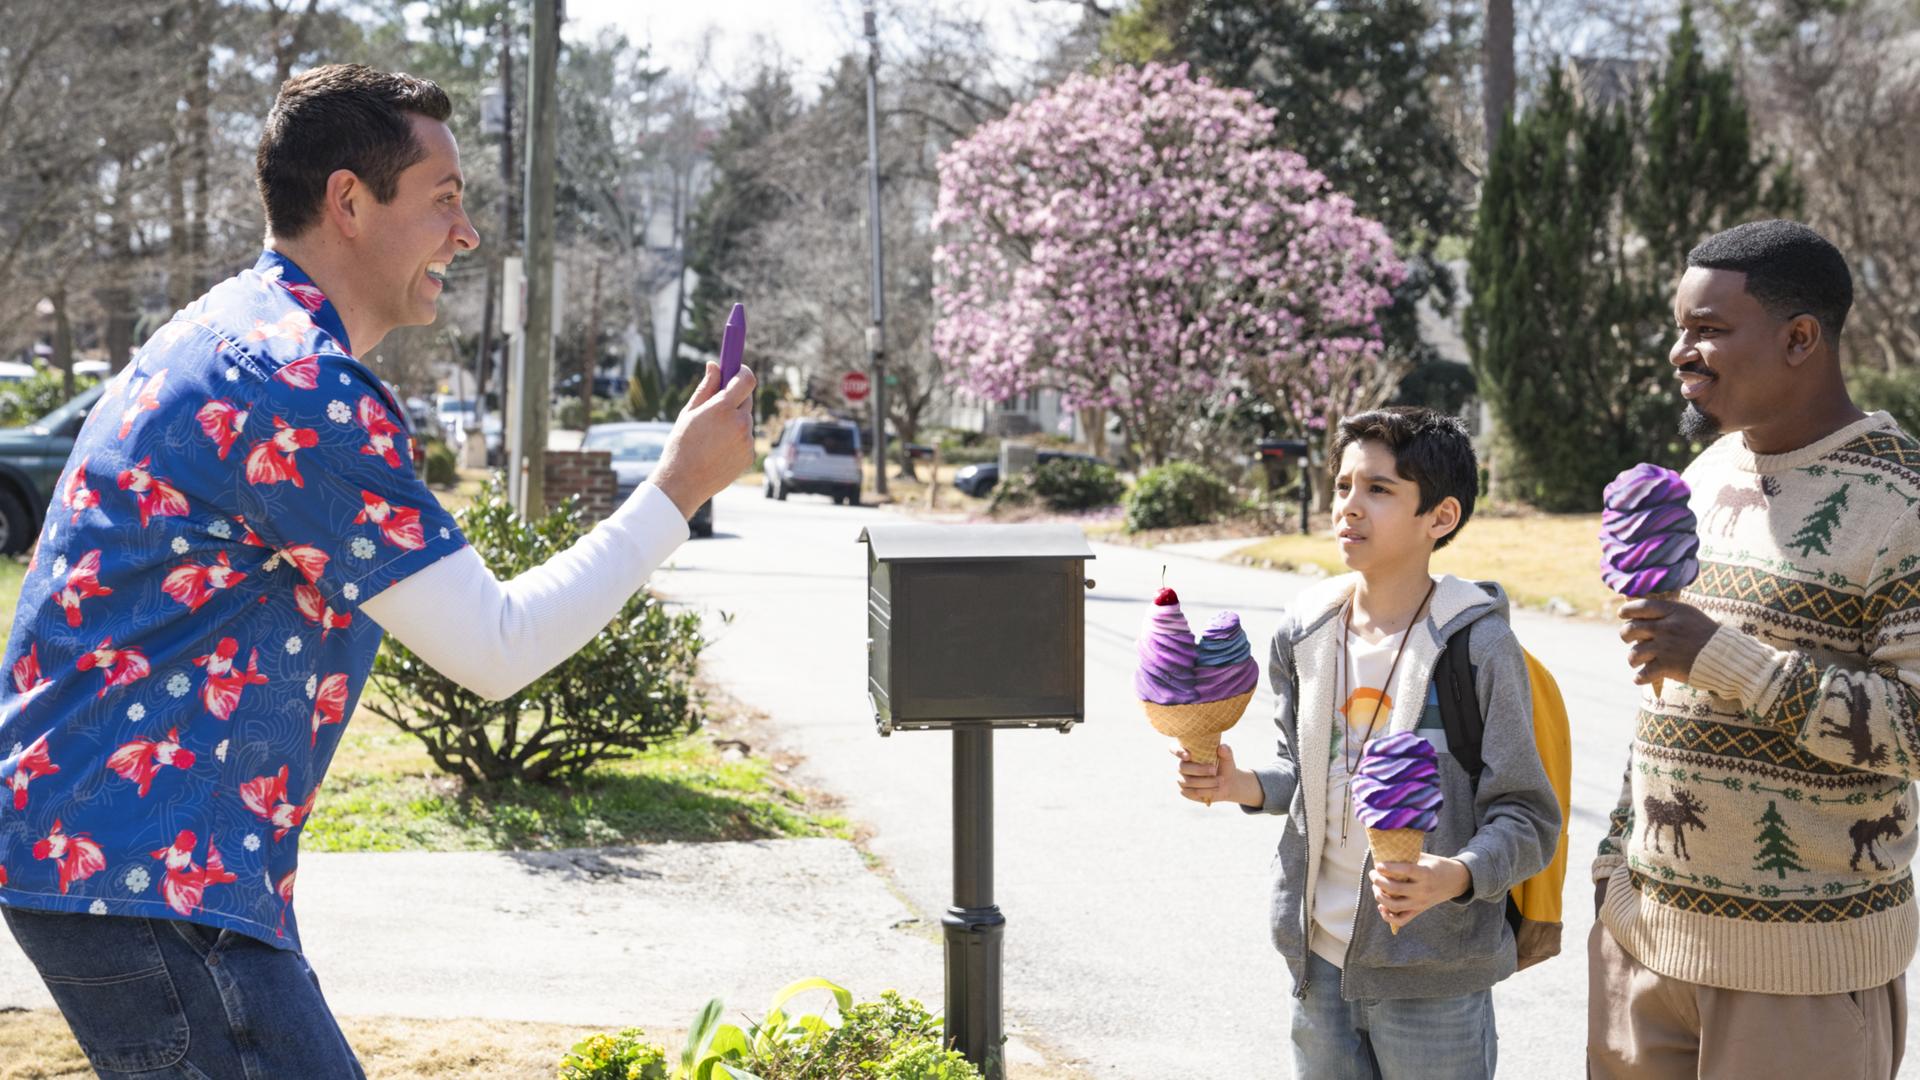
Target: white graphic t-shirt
x,y
1344,853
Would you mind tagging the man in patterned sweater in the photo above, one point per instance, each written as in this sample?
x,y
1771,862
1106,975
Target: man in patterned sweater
x,y
1756,902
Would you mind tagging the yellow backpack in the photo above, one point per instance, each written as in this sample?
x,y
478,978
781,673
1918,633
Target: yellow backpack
x,y
1533,907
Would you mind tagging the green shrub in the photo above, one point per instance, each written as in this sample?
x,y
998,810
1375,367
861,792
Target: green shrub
x,y
621,1056
1898,394
442,468
1062,484
1178,494
628,688
891,1039
30,399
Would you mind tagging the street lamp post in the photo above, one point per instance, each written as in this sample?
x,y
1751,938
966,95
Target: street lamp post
x,y
876,332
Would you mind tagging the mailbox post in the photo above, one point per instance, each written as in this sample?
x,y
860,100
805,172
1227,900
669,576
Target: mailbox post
x,y
972,628
1272,452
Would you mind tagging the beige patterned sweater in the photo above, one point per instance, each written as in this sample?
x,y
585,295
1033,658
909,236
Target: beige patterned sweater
x,y
1766,829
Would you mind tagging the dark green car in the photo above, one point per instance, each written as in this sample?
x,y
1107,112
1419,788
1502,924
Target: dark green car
x,y
31,460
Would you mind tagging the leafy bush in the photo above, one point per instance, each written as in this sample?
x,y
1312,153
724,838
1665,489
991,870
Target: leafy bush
x,y
442,468
567,415
1898,394
1178,494
622,1056
891,1039
30,399
628,688
1062,484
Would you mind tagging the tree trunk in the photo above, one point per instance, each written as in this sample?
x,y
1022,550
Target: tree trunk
x,y
63,337
116,298
200,146
1093,420
590,353
1497,69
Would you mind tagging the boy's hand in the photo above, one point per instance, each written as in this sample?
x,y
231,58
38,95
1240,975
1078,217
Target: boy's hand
x,y
1221,781
1403,890
1666,636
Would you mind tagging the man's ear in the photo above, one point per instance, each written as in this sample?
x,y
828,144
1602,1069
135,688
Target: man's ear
x,y
1443,519
344,204
1803,338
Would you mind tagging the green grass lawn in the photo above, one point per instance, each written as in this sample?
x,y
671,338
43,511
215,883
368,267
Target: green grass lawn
x,y
13,570
1537,557
384,794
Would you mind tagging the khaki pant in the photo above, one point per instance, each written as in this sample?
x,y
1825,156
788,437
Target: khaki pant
x,y
1642,1025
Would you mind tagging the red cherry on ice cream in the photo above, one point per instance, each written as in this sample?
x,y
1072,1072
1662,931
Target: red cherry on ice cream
x,y
1165,597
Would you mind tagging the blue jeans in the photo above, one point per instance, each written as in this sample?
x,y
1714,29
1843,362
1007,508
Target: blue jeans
x,y
1449,1038
162,1000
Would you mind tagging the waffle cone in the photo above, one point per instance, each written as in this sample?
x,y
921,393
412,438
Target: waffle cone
x,y
1200,725
1396,845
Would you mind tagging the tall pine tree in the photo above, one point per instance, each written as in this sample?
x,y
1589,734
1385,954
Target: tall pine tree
x,y
1586,216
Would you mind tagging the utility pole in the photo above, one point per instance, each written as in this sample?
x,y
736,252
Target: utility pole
x,y
876,332
496,121
535,381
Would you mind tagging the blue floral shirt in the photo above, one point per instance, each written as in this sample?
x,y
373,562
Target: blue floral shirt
x,y
188,643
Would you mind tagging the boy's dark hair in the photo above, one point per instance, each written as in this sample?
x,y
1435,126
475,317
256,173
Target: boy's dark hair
x,y
1790,269
341,116
1429,448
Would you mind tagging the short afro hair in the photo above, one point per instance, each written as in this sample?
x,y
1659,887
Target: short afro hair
x,y
1429,447
1790,269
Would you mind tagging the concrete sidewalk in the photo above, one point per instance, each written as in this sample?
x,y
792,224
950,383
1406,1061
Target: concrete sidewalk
x,y
612,937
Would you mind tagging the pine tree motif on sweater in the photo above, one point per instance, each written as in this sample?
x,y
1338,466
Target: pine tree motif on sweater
x,y
1777,850
1816,532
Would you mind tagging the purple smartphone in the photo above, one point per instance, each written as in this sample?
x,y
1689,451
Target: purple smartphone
x,y
732,343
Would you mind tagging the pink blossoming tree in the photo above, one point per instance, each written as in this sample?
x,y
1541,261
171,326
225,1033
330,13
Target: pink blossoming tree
x,y
1132,241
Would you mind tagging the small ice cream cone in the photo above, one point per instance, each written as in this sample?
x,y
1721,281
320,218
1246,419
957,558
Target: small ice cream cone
x,y
1396,845
1649,537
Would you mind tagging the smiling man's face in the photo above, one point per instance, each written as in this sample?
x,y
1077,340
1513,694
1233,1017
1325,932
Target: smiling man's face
x,y
1731,355
412,239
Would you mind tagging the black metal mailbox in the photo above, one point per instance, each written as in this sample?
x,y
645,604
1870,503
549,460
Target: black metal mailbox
x,y
976,625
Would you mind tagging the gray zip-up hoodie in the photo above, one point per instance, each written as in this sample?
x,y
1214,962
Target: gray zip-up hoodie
x,y
1504,833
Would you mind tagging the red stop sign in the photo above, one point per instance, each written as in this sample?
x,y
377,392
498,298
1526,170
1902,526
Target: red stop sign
x,y
853,386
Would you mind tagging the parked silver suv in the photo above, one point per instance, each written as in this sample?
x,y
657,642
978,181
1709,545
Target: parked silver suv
x,y
817,456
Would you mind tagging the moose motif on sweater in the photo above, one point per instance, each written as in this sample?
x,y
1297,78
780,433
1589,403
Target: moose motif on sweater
x,y
1862,750
1679,814
1736,500
1867,832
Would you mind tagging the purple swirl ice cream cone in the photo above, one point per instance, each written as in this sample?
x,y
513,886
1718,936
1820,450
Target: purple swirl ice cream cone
x,y
1225,667
1649,538
1165,673
1396,795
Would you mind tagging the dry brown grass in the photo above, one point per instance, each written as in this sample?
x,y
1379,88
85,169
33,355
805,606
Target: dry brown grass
x,y
1536,557
36,1045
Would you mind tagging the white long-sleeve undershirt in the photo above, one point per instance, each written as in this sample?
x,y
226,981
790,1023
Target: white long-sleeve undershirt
x,y
494,638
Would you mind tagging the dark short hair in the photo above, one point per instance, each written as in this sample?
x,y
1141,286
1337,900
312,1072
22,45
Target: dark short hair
x,y
1790,269
341,116
1429,447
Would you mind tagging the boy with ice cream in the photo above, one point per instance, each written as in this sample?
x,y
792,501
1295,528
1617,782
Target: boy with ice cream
x,y
1393,963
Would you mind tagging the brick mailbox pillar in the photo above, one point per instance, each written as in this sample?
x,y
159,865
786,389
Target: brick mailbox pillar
x,y
586,473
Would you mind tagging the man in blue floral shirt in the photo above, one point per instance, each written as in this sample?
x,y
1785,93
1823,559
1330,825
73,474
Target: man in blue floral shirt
x,y
238,524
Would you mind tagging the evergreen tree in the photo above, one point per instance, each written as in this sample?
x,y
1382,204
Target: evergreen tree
x,y
1777,850
1817,531
1586,215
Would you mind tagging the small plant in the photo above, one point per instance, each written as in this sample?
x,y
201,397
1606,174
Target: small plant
x,y
891,1039
621,1056
1063,484
628,688
30,399
442,468
1178,494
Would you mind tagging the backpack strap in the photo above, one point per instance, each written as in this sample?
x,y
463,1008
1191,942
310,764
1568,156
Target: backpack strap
x,y
1460,704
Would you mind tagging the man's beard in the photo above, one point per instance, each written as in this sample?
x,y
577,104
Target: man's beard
x,y
1697,426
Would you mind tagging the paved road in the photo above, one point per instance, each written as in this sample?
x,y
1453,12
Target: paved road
x,y
1137,936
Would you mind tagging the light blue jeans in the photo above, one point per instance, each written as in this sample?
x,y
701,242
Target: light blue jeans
x,y
1449,1038
153,999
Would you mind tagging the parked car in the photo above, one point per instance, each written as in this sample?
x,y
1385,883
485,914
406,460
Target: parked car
x,y
31,460
604,386
452,413
820,457
636,448
979,480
